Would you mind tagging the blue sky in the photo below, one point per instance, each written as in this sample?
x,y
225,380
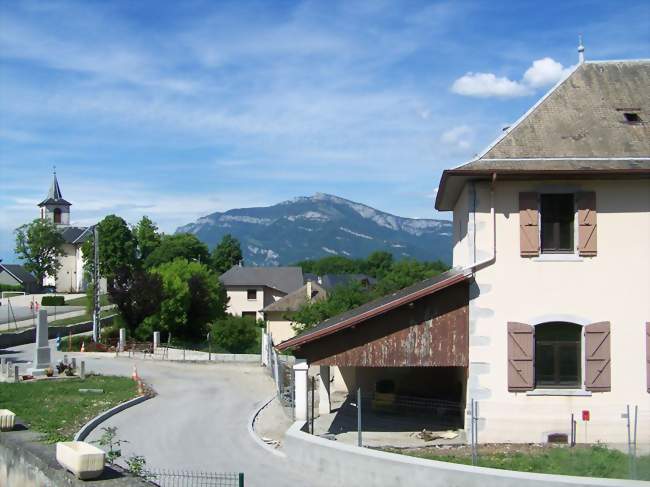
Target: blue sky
x,y
179,109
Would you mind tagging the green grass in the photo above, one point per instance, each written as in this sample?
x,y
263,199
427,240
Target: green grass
x,y
80,318
83,300
57,408
594,461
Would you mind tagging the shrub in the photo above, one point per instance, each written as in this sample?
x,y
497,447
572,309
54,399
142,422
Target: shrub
x,y
53,301
237,334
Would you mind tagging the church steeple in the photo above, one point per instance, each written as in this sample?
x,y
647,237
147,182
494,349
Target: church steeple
x,y
54,207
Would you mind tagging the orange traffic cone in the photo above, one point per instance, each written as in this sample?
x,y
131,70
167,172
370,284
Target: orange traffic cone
x,y
83,346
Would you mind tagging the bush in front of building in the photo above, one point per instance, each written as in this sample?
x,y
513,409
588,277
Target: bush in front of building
x,y
11,288
237,334
53,301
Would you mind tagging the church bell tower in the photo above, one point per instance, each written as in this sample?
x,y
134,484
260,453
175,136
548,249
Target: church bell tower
x,y
54,208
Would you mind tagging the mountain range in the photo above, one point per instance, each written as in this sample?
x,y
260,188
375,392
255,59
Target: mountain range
x,y
310,227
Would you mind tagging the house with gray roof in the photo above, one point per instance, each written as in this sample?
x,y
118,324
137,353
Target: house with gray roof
x,y
545,313
251,289
17,275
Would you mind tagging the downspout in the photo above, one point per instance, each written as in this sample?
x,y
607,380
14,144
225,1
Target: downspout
x,y
477,265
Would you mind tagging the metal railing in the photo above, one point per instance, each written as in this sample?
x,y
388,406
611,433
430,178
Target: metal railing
x,y
281,370
184,478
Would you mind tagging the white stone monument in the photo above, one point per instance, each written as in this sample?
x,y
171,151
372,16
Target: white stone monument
x,y
42,358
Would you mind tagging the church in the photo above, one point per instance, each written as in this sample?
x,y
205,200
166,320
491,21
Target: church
x,y
70,278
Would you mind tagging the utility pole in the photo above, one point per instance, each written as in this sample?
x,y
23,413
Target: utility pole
x,y
96,308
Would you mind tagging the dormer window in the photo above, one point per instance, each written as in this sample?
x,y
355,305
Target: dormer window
x,y
557,212
631,117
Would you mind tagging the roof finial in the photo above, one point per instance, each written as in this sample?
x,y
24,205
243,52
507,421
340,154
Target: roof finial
x,y
581,50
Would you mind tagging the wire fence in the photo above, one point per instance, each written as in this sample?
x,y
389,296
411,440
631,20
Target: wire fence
x,y
183,478
280,368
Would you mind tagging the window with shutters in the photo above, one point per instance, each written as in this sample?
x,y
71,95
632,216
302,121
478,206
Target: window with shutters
x,y
557,220
558,355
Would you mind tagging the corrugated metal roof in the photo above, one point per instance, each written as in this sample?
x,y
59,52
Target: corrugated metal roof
x,y
285,279
379,306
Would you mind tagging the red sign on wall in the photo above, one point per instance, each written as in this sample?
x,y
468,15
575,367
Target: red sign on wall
x,y
585,415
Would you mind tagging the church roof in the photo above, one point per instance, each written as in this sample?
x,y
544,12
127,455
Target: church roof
x,y
54,196
76,235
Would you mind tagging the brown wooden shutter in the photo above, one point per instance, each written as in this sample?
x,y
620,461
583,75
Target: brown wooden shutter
x,y
598,370
587,242
647,355
521,343
528,224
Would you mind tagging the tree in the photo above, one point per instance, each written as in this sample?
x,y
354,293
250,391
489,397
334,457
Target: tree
x,y
404,273
378,264
334,264
180,245
39,245
236,334
341,299
117,247
146,236
182,313
137,294
226,254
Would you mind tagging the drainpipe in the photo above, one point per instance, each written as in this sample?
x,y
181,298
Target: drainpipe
x,y
490,260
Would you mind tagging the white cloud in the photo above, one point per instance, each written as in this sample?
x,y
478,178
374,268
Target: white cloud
x,y
460,137
542,73
545,72
485,85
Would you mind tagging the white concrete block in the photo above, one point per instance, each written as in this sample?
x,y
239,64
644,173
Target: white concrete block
x,y
7,420
84,460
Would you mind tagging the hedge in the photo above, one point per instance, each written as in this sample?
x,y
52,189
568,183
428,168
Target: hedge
x,y
10,287
53,301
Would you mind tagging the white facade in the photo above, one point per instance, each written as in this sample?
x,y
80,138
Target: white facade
x,y
241,302
613,286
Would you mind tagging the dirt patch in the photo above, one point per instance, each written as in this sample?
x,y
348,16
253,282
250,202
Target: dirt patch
x,y
486,449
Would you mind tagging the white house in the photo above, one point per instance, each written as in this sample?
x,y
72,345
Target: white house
x,y
251,289
546,312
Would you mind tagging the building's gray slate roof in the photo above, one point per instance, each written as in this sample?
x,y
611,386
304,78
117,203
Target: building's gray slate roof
x,y
380,305
296,299
20,273
577,128
54,196
285,279
583,116
75,235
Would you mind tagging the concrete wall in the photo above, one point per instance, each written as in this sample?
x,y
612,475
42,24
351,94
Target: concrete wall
x,y
278,327
13,339
347,465
612,286
25,462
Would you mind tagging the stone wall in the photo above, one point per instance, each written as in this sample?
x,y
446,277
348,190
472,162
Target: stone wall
x,y
13,339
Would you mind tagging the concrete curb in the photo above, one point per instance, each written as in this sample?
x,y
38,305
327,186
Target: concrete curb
x,y
251,428
87,428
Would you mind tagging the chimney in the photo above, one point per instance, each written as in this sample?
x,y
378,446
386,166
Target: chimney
x,y
309,290
581,51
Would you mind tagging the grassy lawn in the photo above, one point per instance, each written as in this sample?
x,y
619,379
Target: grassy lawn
x,y
83,300
57,408
594,461
81,318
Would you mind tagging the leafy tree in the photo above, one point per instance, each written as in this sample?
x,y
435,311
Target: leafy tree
x,y
117,247
236,334
226,254
404,273
181,313
147,237
180,245
341,299
137,295
334,264
39,245
378,264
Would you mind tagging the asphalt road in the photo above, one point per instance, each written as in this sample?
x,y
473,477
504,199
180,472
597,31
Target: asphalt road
x,y
198,421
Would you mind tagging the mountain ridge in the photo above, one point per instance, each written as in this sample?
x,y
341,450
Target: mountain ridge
x,y
310,227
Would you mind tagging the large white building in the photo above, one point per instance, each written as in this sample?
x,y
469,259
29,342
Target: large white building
x,y
70,278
